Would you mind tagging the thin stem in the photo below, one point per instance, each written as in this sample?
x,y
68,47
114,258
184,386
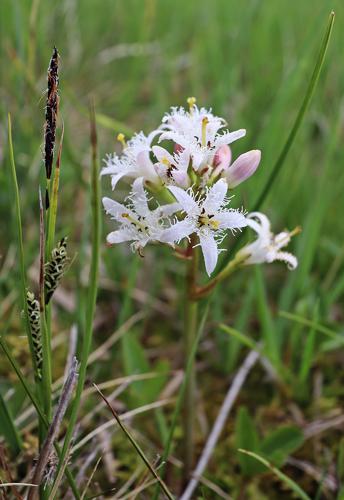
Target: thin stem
x,y
203,291
92,289
46,341
190,321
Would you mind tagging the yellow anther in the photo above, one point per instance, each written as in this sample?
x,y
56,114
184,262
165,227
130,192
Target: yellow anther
x,y
165,161
121,139
205,122
214,224
191,102
296,231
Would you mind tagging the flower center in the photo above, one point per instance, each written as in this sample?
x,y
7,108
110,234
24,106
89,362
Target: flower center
x,y
137,223
208,221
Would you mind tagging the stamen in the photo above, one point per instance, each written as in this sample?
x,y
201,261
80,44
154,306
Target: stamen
x,y
121,139
214,224
205,122
191,102
165,161
296,231
135,222
207,220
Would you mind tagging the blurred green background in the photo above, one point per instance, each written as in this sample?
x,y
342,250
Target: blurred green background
x,y
251,62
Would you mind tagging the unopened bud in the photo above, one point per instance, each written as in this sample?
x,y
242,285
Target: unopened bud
x,y
222,158
242,168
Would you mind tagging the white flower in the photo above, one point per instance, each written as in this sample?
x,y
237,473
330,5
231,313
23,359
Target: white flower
x,y
138,223
173,169
207,217
198,131
267,246
135,161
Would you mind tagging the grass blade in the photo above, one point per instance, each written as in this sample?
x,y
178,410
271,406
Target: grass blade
x,y
304,106
308,351
285,479
313,324
20,243
8,428
291,137
92,289
137,447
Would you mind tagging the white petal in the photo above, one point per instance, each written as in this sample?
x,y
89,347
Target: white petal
x,y
175,137
146,167
231,219
264,228
162,154
186,201
115,209
229,137
281,240
210,251
108,170
119,236
181,178
166,210
215,197
116,178
288,258
178,231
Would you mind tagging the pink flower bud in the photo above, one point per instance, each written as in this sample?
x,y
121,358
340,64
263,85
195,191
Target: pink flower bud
x,y
177,148
242,168
222,158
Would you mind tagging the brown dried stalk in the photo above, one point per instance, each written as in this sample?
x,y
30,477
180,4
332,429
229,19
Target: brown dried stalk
x,y
54,428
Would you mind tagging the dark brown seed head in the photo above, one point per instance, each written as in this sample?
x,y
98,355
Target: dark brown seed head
x,y
51,112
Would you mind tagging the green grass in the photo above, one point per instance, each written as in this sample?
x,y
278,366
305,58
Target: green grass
x,y
252,63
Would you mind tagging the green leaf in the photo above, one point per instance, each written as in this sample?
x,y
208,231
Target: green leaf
x,y
145,391
8,429
308,351
279,444
340,463
246,437
285,479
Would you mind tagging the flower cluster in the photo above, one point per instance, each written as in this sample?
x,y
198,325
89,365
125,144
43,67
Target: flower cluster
x,y
181,174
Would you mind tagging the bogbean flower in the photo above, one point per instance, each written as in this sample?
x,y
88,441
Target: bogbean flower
x,y
198,131
135,161
138,223
267,246
198,173
173,169
207,217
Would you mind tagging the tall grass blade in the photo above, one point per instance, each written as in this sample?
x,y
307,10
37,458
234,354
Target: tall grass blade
x,y
285,479
299,118
8,428
92,288
137,447
291,137
313,324
16,197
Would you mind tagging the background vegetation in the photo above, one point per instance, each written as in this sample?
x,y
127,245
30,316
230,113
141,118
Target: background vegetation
x,y
251,62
